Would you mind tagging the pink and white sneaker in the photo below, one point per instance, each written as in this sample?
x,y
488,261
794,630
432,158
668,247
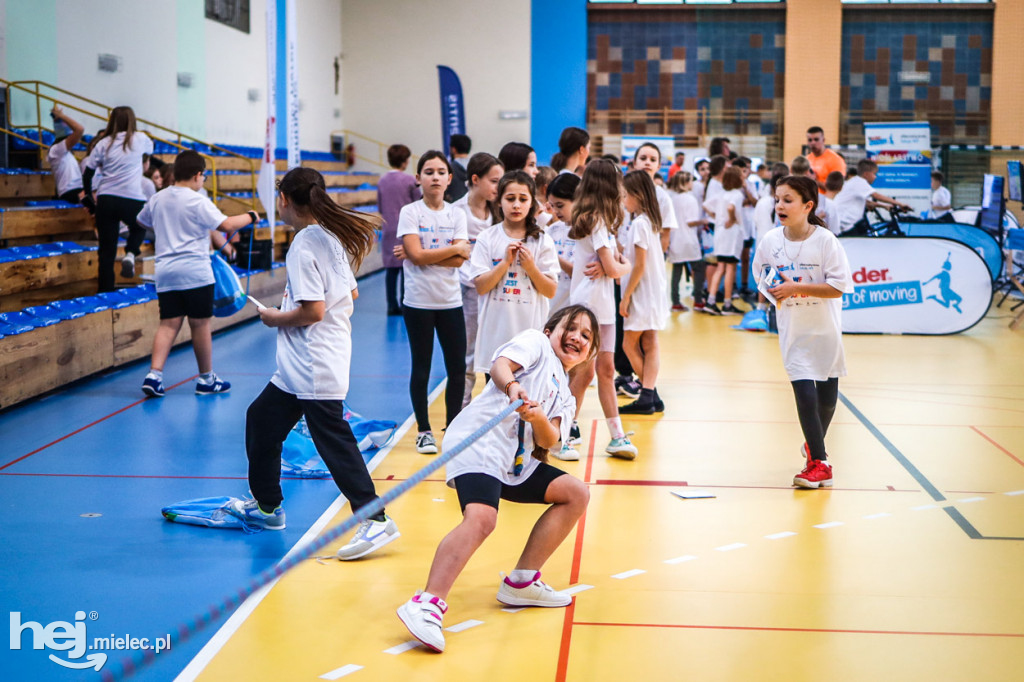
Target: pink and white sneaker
x,y
422,616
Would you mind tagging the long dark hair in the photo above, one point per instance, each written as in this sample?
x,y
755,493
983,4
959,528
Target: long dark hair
x,y
521,178
433,154
480,164
564,186
808,191
305,188
569,143
597,200
639,185
514,155
122,120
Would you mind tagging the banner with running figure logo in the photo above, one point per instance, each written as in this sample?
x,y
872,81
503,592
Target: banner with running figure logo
x,y
914,285
903,152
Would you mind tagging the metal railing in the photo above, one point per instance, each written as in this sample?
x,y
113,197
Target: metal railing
x,y
71,101
379,149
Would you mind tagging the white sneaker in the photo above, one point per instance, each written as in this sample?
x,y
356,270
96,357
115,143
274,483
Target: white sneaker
x,y
566,454
128,265
425,443
371,536
533,593
622,447
422,616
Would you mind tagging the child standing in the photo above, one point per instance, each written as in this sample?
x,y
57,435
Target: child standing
x,y
182,220
531,367
561,193
814,274
314,348
434,245
643,306
395,189
729,237
596,217
684,248
942,200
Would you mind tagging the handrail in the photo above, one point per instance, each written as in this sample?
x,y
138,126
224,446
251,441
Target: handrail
x,y
39,96
381,149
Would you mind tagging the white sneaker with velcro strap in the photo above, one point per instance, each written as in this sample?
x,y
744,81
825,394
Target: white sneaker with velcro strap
x,y
422,616
532,593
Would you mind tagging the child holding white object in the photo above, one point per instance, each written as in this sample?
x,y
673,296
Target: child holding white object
x,y
561,193
596,218
67,176
644,307
506,462
314,348
684,247
182,220
483,172
514,268
729,237
813,274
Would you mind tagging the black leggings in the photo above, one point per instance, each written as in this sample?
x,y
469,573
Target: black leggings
x,y
697,269
394,291
623,366
111,211
815,405
420,325
267,422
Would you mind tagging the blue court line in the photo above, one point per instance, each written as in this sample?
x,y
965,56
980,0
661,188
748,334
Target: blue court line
x,y
953,513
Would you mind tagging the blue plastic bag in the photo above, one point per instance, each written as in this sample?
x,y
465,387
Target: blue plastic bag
x,y
211,512
228,296
754,321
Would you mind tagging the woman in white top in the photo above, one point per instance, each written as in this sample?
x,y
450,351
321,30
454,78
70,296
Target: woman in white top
x,y
514,268
434,245
684,247
314,351
806,271
729,235
561,193
508,463
482,175
119,197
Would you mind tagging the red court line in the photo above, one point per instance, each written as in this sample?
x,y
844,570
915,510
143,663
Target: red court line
x,y
823,630
609,481
989,439
204,478
87,426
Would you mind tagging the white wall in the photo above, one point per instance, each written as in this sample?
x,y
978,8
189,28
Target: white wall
x,y
389,71
235,62
318,23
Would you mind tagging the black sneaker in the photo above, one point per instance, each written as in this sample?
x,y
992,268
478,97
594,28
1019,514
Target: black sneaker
x,y
636,407
712,309
729,309
659,405
574,435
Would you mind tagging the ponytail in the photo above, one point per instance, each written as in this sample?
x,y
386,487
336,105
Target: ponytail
x,y
558,161
815,219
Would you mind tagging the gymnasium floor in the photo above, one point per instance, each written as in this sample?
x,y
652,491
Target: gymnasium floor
x,y
911,568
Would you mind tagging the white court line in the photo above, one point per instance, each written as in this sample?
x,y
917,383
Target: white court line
x,y
402,648
924,506
729,548
514,609
232,624
969,499
680,559
779,536
830,524
576,588
879,515
628,574
438,499
464,625
1015,492
341,672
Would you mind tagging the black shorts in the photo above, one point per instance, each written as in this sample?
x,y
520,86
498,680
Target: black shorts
x,y
195,303
486,489
727,259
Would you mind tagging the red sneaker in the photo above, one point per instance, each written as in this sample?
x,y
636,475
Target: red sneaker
x,y
679,308
817,474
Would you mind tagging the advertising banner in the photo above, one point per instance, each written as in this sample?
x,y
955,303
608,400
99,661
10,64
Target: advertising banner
x,y
294,155
266,185
666,144
903,152
914,285
453,115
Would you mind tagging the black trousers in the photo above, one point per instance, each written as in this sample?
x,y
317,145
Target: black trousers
x,y
393,289
111,211
815,405
623,366
267,422
450,326
697,270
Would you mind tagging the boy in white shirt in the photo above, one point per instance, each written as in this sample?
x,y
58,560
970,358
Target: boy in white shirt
x,y
67,176
857,196
182,220
942,200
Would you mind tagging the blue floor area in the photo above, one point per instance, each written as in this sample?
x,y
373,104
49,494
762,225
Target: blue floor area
x,y
139,574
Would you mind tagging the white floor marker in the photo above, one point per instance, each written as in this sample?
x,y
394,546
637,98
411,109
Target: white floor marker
x,y
729,548
779,536
830,524
970,499
514,609
924,506
402,648
341,672
879,515
680,559
576,588
1015,492
628,574
464,625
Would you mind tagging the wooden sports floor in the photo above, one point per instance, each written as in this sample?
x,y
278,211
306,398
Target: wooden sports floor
x,y
910,568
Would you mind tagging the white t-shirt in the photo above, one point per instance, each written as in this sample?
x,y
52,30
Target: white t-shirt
x,y
432,287
313,361
514,305
684,243
122,168
148,188
698,192
764,220
728,240
828,211
748,210
711,192
648,307
545,382
181,219
852,200
597,294
565,247
941,197
474,226
66,173
669,219
810,329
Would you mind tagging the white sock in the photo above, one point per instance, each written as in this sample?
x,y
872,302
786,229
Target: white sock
x,y
157,374
711,300
615,427
522,575
206,378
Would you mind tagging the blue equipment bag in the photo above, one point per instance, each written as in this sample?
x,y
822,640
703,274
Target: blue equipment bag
x,y
228,296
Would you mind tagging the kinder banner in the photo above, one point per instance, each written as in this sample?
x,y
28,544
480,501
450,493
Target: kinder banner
x,y
666,144
903,152
914,285
453,116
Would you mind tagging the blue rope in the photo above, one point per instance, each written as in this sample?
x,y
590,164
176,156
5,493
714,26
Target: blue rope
x,y
137,660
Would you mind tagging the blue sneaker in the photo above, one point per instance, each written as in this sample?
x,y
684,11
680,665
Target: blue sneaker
x,y
153,387
254,517
218,385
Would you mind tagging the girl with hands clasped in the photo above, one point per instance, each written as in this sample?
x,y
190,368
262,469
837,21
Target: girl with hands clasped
x,y
507,463
805,269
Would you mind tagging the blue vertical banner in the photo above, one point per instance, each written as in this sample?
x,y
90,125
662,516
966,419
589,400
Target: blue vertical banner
x,y
453,115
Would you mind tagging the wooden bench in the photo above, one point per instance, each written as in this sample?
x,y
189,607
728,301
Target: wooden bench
x,y
26,226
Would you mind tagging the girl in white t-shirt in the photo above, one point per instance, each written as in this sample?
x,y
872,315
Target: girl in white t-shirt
x,y
644,307
807,272
596,218
314,350
514,268
647,158
729,237
765,221
561,193
483,172
434,246
684,248
119,196
507,462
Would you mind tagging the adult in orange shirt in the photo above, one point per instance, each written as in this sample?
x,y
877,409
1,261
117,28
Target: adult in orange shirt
x,y
677,165
823,161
